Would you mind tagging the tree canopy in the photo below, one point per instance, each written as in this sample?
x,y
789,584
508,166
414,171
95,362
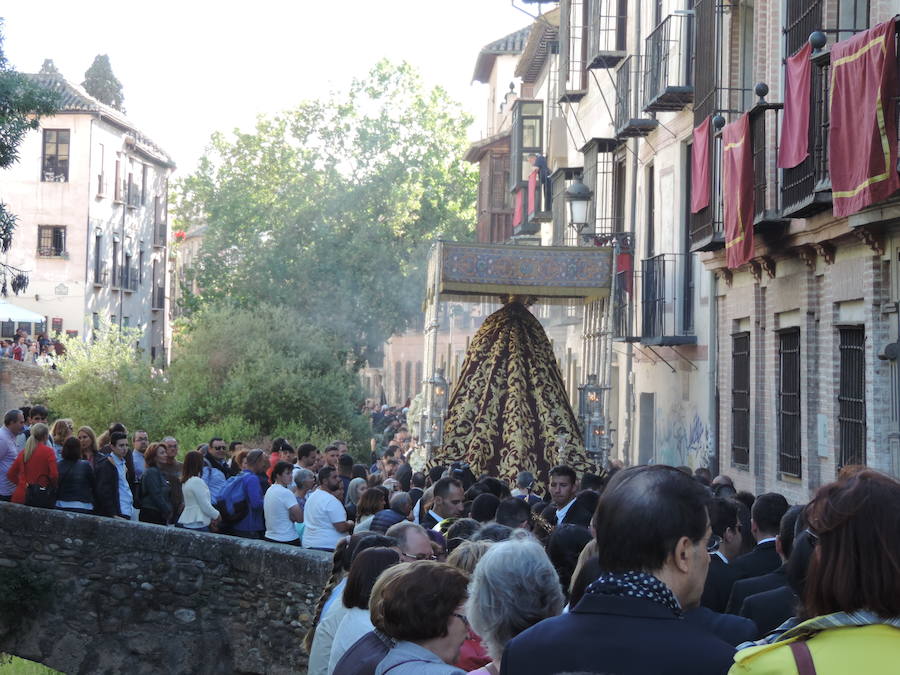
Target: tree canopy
x,y
100,83
240,373
23,101
329,209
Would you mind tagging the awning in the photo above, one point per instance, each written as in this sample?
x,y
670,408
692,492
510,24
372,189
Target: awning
x,y
10,312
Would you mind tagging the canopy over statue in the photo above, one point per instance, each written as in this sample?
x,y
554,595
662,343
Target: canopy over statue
x,y
509,410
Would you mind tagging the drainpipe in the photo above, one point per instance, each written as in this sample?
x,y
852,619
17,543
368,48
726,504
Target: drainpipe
x,y
629,349
713,361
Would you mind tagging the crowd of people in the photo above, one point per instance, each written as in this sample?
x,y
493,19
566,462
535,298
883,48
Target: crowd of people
x,y
646,569
42,350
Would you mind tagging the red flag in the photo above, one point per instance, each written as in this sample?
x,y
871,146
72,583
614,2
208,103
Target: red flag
x,y
532,185
517,214
700,182
862,141
737,195
795,127
625,263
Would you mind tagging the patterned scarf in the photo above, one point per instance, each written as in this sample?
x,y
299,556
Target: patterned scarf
x,y
635,585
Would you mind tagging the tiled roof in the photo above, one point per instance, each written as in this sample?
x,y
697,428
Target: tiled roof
x,y
75,99
537,46
513,43
478,148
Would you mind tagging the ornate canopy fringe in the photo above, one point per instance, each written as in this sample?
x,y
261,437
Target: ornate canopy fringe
x,y
509,411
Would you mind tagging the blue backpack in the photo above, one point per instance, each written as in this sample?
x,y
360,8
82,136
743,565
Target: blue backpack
x,y
232,503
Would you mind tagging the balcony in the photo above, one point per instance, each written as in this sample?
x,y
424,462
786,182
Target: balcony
x,y
134,196
664,291
629,121
621,323
158,297
765,132
128,278
100,273
532,207
668,79
159,235
52,252
806,189
607,43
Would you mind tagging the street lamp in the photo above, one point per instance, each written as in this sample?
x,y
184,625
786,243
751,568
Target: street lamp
x,y
589,395
590,414
433,421
578,196
439,392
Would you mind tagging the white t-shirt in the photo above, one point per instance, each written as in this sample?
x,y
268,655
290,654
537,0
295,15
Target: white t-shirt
x,y
354,625
322,510
277,502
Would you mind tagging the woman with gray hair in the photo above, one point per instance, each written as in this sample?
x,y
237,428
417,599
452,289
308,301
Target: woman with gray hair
x,y
355,489
513,587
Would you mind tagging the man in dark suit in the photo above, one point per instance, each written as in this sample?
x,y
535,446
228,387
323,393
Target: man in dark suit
x,y
723,519
448,503
112,492
652,534
770,609
784,543
765,520
732,629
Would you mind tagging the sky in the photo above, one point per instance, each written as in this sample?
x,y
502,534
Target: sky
x,y
193,67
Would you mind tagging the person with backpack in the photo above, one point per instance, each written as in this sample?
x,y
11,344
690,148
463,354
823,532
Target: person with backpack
x,y
252,481
215,471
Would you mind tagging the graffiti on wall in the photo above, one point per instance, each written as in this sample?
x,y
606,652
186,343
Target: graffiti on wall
x,y
683,438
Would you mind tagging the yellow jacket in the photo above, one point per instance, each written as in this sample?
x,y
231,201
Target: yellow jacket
x,y
840,644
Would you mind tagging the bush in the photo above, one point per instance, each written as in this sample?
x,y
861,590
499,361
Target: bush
x,y
105,381
229,377
231,428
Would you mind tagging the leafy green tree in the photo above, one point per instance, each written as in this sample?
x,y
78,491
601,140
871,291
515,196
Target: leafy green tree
x,y
330,208
265,364
106,381
23,101
100,83
48,68
239,373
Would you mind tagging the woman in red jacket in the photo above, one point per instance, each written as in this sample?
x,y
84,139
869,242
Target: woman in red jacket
x,y
35,464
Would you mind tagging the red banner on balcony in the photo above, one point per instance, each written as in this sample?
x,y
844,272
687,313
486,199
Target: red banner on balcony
x,y
862,139
532,188
625,264
737,195
795,126
517,213
700,181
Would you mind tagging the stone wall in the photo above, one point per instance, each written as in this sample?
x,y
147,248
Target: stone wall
x,y
148,599
20,382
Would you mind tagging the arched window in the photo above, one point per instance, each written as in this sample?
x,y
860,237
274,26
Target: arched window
x,y
418,377
398,382
407,382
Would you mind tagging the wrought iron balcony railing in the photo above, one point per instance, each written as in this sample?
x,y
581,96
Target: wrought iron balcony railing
x,y
668,78
765,130
630,121
806,188
664,283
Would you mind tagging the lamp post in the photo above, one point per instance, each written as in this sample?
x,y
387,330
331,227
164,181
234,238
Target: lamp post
x,y
434,416
578,197
590,413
